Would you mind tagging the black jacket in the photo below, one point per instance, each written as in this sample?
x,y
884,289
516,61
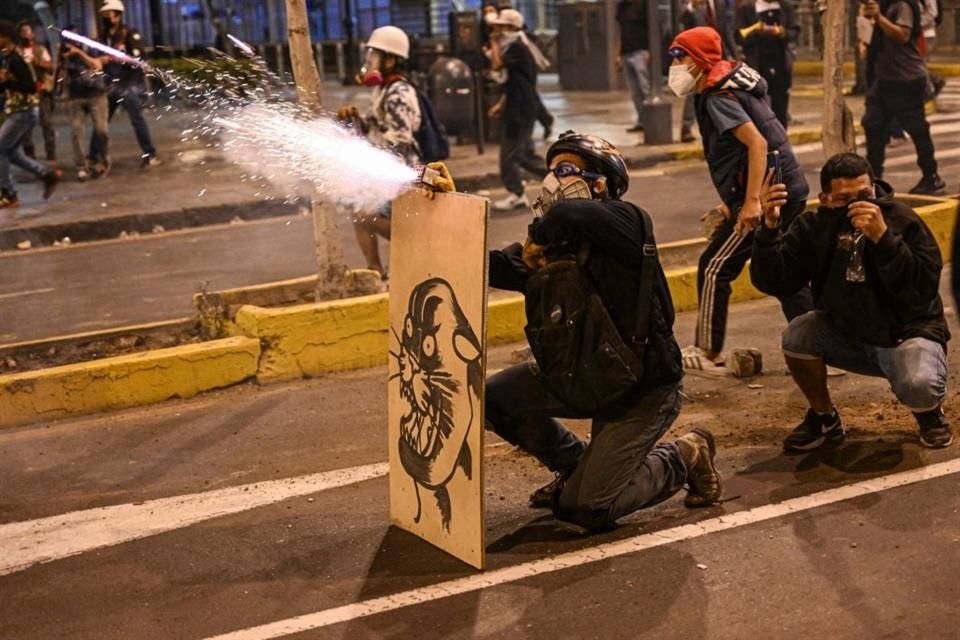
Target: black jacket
x,y
119,75
898,300
766,49
614,232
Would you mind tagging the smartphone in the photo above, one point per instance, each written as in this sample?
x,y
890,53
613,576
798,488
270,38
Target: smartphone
x,y
773,164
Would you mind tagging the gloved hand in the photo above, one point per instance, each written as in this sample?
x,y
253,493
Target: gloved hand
x,y
444,182
347,113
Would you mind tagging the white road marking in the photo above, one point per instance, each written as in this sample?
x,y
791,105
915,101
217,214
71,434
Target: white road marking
x,y
25,544
17,294
573,559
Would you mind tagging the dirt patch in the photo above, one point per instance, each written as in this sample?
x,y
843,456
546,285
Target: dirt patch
x,y
45,355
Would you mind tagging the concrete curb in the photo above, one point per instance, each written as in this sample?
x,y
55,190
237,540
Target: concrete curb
x,y
126,381
111,227
815,68
288,343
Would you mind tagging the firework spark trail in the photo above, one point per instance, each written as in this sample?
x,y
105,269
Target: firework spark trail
x,y
345,169
102,48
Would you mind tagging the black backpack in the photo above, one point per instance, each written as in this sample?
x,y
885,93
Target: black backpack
x,y
431,137
582,357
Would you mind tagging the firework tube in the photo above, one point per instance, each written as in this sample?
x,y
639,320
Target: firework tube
x,y
102,48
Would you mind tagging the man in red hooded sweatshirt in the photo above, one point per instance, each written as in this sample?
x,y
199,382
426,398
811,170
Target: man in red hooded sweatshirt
x,y
738,129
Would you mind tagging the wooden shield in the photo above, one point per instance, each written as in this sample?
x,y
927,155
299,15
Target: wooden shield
x,y
437,365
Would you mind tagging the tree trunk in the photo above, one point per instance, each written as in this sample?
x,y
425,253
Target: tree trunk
x,y
838,132
331,270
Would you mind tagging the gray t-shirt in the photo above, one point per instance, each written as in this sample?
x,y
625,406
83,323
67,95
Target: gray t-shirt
x,y
900,62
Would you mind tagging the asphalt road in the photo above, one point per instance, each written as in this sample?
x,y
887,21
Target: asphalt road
x,y
860,541
59,291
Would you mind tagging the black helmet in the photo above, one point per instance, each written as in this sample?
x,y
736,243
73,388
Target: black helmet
x,y
600,156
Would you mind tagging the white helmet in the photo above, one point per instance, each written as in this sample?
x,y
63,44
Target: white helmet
x,y
508,18
112,5
388,39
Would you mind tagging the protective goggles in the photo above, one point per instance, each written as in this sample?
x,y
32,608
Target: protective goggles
x,y
564,169
676,53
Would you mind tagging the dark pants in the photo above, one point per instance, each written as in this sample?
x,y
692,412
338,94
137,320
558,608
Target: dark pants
x,y
46,127
132,99
516,153
720,264
778,89
621,470
903,102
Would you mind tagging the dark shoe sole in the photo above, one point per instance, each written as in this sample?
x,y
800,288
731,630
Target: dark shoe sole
x,y
695,499
834,436
935,445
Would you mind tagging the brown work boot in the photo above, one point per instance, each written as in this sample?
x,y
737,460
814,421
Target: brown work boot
x,y
698,451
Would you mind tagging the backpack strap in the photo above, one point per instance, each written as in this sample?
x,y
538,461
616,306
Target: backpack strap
x,y
648,267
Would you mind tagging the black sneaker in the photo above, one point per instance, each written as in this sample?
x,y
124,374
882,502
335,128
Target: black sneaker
x,y
686,135
546,496
50,180
932,185
8,199
935,431
815,431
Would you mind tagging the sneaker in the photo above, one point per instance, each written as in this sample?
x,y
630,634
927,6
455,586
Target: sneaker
x,y
695,360
83,175
935,431
9,200
511,202
548,128
815,431
637,128
686,135
148,162
932,185
50,180
546,496
101,169
699,452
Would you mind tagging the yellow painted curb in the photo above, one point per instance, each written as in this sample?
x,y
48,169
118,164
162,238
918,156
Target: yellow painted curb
x,y
796,136
125,381
815,68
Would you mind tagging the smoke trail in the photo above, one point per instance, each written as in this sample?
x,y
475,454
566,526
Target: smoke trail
x,y
280,142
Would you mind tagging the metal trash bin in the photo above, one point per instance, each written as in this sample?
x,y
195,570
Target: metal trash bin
x,y
451,88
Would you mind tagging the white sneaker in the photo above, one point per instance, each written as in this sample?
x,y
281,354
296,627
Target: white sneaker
x,y
511,202
696,361
82,175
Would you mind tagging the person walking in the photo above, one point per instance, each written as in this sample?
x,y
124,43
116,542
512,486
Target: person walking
x,y
19,117
517,107
38,56
86,88
127,83
899,88
633,54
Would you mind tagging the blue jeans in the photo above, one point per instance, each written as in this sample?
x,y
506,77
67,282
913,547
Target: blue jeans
x,y
622,469
13,131
131,99
916,368
636,71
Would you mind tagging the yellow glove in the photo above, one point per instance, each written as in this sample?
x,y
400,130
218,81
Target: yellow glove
x,y
444,182
348,112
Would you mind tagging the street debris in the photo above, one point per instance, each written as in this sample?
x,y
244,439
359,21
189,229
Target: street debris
x,y
24,244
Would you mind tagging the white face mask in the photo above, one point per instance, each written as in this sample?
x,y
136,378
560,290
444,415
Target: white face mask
x,y
681,81
553,192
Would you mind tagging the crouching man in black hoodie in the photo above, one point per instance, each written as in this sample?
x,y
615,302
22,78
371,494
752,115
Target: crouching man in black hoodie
x,y
874,269
605,247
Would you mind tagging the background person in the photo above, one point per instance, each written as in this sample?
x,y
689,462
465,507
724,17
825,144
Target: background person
x,y
633,54
86,89
390,121
127,84
899,88
19,117
769,49
517,107
875,272
38,56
